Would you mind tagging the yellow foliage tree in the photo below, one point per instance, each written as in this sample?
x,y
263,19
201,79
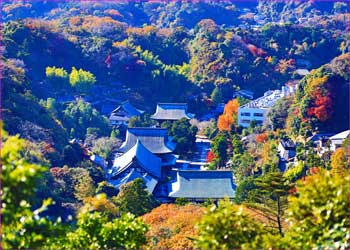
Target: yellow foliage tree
x,y
340,160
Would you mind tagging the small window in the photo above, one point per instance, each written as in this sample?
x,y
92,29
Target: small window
x,y
245,121
245,114
258,114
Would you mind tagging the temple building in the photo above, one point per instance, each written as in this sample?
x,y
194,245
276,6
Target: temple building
x,y
146,153
138,162
199,185
154,139
122,114
171,112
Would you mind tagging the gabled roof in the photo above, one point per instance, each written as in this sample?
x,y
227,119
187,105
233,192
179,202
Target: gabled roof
x,y
171,111
150,182
287,143
203,184
341,136
128,108
154,139
320,136
140,155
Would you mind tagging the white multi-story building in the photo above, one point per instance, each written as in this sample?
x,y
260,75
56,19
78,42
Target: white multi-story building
x,y
256,110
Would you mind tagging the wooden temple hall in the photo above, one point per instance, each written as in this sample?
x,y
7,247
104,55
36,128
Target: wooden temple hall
x,y
148,153
171,112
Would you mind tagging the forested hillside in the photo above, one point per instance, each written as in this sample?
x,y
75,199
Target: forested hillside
x,y
66,66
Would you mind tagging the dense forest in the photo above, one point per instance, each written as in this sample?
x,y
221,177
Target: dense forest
x,y
64,62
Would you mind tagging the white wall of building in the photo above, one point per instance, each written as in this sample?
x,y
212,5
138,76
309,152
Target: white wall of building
x,y
246,115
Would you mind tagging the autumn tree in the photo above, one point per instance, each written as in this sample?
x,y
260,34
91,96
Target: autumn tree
x,y
229,117
210,156
261,138
340,160
173,226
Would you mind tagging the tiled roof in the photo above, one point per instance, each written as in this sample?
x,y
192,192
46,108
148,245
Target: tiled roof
x,y
140,155
128,108
132,175
154,139
203,184
171,111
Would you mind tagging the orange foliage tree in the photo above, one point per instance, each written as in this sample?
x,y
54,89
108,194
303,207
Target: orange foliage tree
x,y
172,225
229,117
261,137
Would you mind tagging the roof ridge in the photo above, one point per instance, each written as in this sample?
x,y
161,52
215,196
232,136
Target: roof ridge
x,y
172,103
147,128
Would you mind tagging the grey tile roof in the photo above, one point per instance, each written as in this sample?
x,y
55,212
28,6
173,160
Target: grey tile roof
x,y
132,175
138,155
127,109
203,184
171,111
154,139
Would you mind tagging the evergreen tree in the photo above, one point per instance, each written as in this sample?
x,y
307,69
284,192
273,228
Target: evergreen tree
x,y
269,199
134,198
216,95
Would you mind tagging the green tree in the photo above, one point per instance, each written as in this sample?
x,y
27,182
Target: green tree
x,y
319,212
81,80
184,134
237,145
104,146
57,77
243,165
106,188
243,188
219,147
216,95
79,116
22,227
134,198
226,227
96,231
269,199
278,114
141,121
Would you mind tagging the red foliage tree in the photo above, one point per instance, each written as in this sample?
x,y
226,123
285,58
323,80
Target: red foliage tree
x,y
210,156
